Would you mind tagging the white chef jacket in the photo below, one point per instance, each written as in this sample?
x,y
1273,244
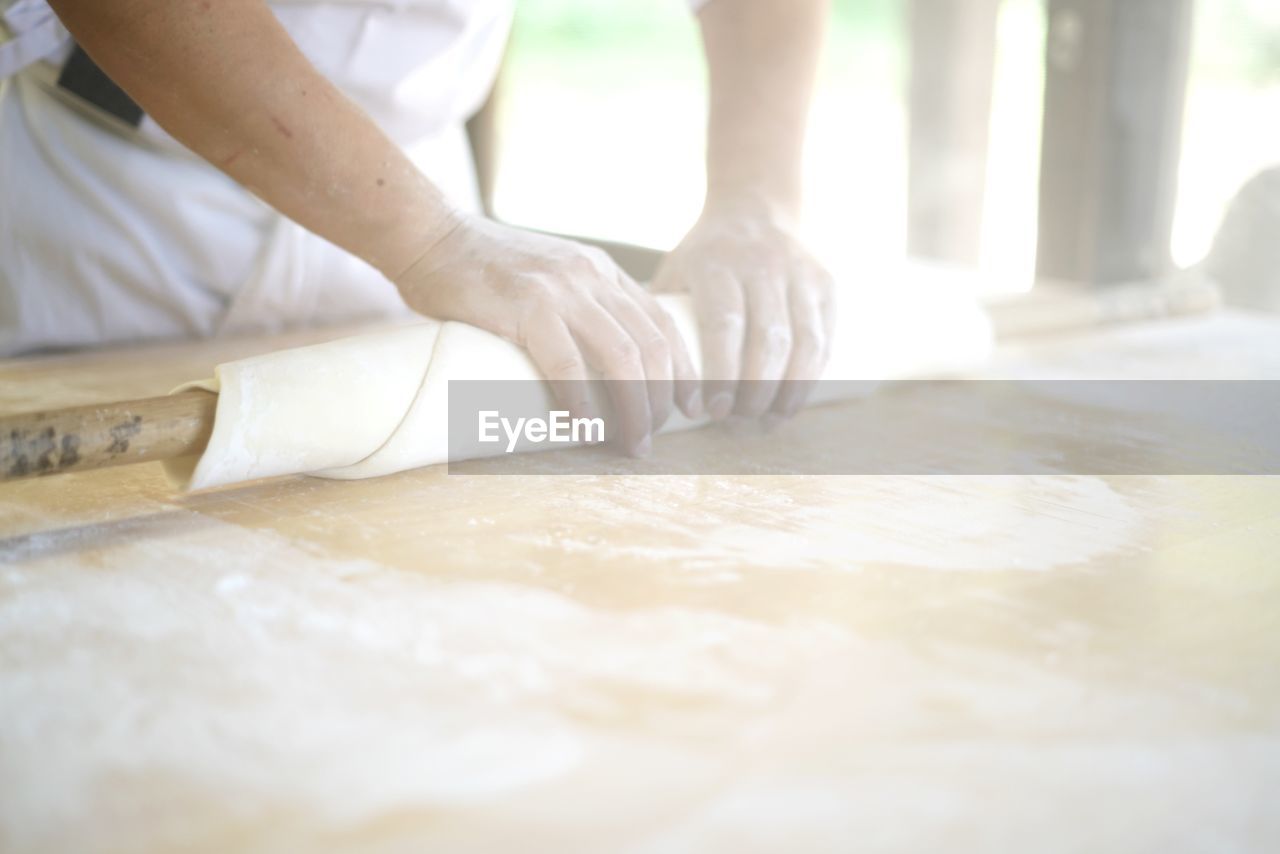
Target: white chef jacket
x,y
113,234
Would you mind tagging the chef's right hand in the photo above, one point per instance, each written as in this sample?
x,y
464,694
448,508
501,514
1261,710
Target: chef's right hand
x,y
571,308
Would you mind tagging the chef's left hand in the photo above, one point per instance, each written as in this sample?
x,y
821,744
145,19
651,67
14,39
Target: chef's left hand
x,y
765,306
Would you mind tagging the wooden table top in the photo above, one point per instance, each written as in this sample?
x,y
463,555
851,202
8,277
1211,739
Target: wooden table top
x,y
644,663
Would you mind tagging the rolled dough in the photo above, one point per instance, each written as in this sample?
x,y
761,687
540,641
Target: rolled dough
x,y
375,404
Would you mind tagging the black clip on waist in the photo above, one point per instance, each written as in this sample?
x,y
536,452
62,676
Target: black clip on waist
x,y
82,77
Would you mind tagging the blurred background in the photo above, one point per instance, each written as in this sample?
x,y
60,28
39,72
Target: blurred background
x,y
602,110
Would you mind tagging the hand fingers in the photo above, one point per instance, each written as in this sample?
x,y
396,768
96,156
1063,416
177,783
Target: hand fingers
x,y
767,348
808,348
555,352
616,357
721,321
654,348
688,396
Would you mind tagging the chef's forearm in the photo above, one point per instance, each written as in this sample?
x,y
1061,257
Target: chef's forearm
x,y
762,57
225,79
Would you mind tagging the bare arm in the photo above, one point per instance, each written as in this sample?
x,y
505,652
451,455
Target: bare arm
x,y
226,80
762,56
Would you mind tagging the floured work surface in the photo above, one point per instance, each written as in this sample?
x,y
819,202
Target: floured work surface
x,y
644,664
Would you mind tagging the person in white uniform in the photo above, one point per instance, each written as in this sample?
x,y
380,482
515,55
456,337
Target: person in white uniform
x,y
235,165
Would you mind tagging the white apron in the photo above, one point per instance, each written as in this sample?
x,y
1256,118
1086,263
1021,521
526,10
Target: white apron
x,y
114,234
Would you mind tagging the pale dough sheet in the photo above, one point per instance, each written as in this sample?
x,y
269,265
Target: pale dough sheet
x,y
378,403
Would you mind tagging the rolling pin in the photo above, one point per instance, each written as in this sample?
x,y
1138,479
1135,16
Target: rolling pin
x,y
105,434
158,428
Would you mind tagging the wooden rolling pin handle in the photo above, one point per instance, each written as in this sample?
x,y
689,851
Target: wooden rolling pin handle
x,y
105,434
1068,309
